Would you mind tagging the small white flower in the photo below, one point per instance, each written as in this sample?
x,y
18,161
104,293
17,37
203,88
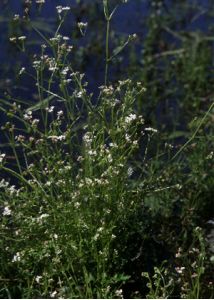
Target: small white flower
x,y
180,270
119,293
4,183
65,71
127,138
38,278
65,38
92,152
60,9
100,229
22,38
28,116
55,236
130,171
13,39
109,158
7,211
21,71
55,138
43,216
2,156
96,236
82,25
59,113
52,68
36,63
53,294
77,205
16,257
50,109
149,129
16,17
130,118
79,94
113,145
87,138
35,122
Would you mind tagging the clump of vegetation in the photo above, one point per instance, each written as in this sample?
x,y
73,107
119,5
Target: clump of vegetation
x,y
95,201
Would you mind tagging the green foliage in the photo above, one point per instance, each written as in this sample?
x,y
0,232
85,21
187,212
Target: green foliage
x,y
94,202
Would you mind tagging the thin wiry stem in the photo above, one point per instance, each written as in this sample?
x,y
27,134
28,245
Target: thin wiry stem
x,y
107,51
194,134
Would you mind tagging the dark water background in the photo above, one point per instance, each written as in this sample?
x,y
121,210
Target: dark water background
x,y
188,16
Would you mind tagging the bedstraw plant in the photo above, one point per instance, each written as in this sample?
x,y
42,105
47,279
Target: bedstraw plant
x,y
71,179
94,201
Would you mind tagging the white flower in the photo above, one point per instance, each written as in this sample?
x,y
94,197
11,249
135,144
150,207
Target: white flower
x,y
65,38
2,156
43,216
22,38
7,211
12,190
79,94
87,138
36,63
82,25
92,152
28,116
100,229
119,293
38,278
96,236
60,8
16,17
77,205
180,270
55,138
113,145
127,138
21,71
130,171
16,257
50,109
53,294
54,68
4,183
149,129
35,122
65,71
59,113
109,158
130,118
13,39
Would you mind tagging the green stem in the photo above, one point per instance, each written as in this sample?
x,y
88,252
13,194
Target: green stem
x,y
15,174
194,134
107,50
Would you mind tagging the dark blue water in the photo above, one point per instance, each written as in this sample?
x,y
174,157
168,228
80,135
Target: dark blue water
x,y
129,18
